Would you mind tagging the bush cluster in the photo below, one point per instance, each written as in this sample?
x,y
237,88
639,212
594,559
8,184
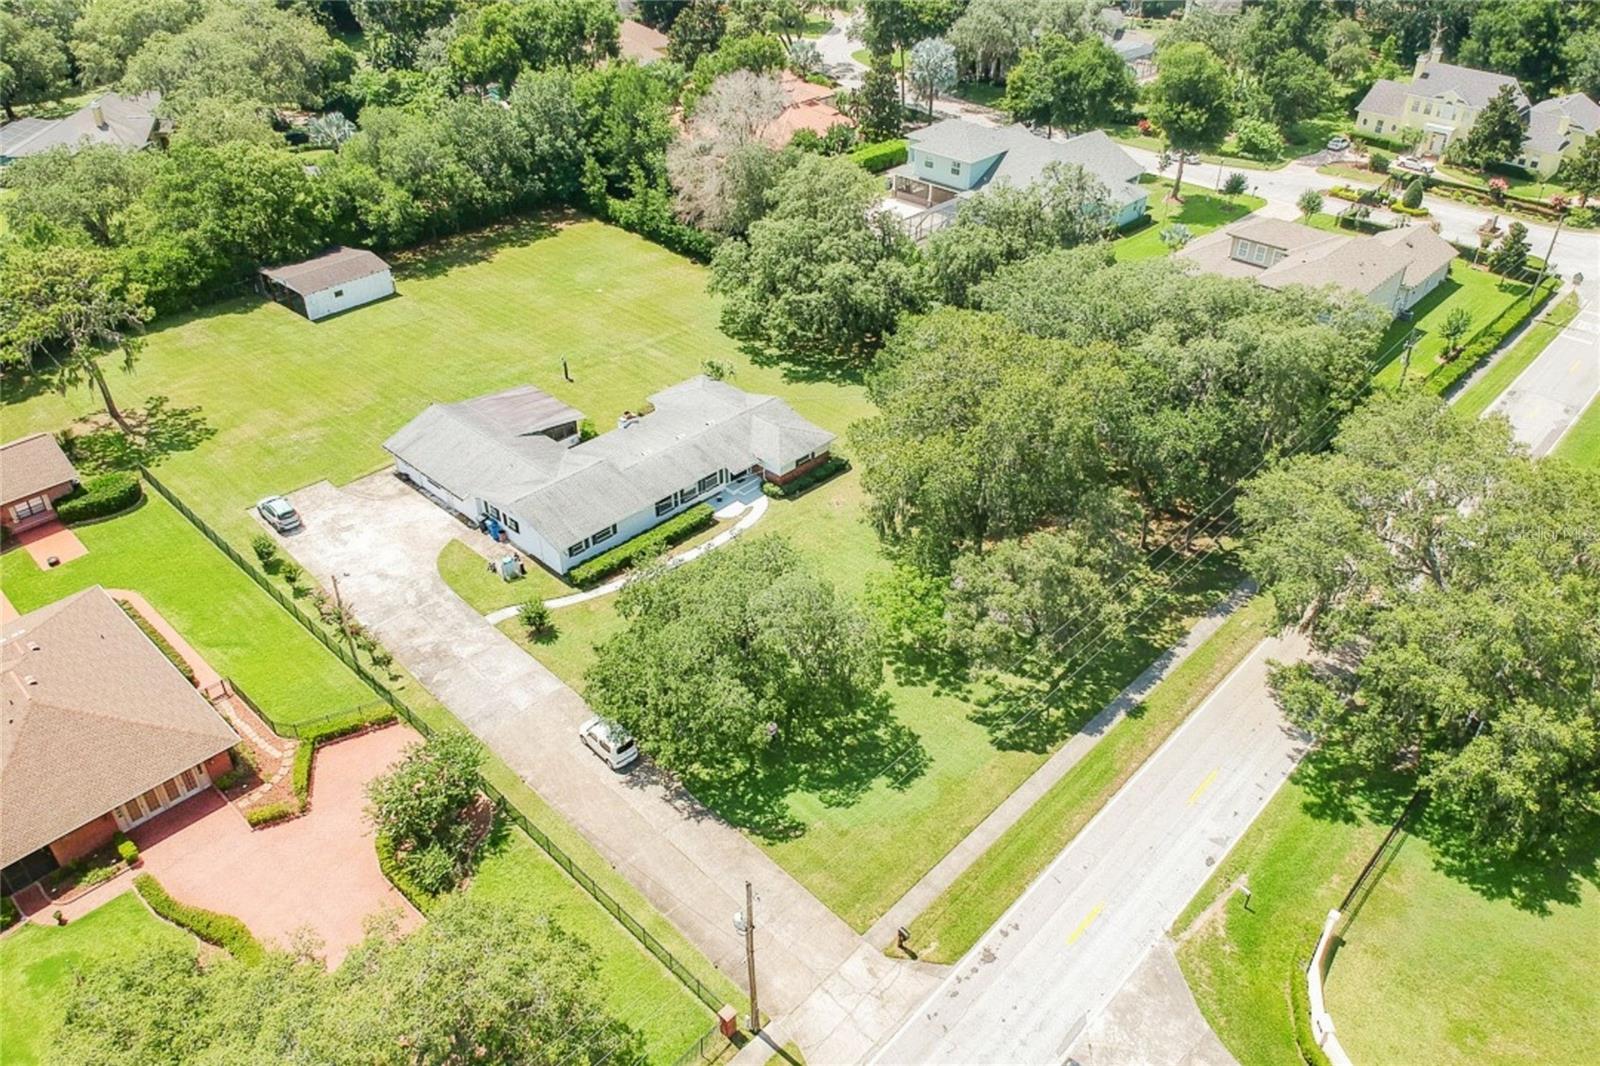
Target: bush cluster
x,y
1415,212
643,547
879,157
810,479
223,930
421,899
100,497
9,915
1488,339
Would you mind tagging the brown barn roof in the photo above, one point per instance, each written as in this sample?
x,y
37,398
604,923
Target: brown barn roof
x,y
641,43
94,715
29,465
337,266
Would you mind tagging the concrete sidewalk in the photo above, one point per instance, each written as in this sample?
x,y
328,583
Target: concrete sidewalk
x,y
383,539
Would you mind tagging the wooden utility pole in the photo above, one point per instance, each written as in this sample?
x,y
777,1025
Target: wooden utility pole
x,y
745,922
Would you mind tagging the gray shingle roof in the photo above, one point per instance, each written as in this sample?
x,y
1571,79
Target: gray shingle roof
x,y
1548,117
1023,155
1476,87
94,716
128,122
32,464
1386,97
336,266
566,493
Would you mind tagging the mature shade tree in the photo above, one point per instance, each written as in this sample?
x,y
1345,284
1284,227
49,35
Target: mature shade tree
x,y
34,66
1296,86
877,108
990,34
212,121
1459,585
982,432
552,124
719,169
805,59
628,122
1497,133
760,54
1257,138
109,32
1524,38
696,31
478,982
493,43
1213,28
253,51
1190,101
1348,47
784,19
742,654
395,31
826,273
73,192
931,66
1581,171
1583,63
1071,85
62,309
889,26
424,805
1066,207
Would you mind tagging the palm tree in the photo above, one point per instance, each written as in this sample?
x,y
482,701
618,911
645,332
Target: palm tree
x,y
330,130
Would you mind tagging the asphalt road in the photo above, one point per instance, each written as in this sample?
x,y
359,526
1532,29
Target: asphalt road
x,y
1549,396
1047,968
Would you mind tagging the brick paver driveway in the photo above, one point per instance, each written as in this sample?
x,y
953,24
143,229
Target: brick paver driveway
x,y
318,871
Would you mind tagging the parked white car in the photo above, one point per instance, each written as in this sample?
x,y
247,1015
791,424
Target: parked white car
x,y
610,741
1338,142
1414,164
279,513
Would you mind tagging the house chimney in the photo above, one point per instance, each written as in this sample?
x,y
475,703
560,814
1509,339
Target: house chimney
x,y
99,115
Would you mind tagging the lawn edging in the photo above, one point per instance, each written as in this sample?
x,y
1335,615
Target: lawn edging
x,y
1488,339
223,930
1478,391
964,911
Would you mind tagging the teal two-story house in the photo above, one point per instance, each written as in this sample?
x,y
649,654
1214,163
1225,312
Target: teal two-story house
x,y
950,160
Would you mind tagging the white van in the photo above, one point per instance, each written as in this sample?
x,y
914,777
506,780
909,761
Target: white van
x,y
610,741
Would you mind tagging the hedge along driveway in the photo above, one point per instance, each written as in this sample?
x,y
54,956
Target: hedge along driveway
x,y
235,626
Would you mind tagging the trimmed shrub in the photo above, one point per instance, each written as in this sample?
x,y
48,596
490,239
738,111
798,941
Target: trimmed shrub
x,y
879,156
1258,139
302,771
1345,192
223,930
1379,162
390,865
1413,194
268,813
643,547
9,915
807,481
100,497
534,616
1300,1007
161,642
1414,212
128,851
265,548
1487,340
1235,183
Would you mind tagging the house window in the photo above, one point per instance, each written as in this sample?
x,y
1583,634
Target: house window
x,y
1379,127
806,458
29,507
928,163
152,802
511,524
189,781
171,790
604,535
709,482
578,548
955,168
337,293
1258,253
1427,108
664,505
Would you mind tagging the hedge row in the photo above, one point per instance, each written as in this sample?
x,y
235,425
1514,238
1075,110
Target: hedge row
x,y
811,478
880,156
1300,1007
310,740
223,930
1487,340
100,497
390,865
161,642
645,546
1401,209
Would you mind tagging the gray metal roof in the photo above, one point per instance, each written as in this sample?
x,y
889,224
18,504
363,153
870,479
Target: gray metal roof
x,y
1476,87
566,493
125,122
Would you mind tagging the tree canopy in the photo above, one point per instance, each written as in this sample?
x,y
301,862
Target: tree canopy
x,y
1191,101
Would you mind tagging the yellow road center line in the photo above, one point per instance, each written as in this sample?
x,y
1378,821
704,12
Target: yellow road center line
x,y
1196,794
1083,926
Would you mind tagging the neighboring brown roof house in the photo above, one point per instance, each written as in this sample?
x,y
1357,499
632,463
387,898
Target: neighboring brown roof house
x,y
94,715
1314,257
640,43
806,107
30,465
337,266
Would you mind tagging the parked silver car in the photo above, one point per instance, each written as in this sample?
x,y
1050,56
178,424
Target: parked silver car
x,y
1338,142
279,513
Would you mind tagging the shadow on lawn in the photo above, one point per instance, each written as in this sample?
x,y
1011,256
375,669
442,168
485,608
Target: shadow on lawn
x,y
838,765
159,430
440,257
847,369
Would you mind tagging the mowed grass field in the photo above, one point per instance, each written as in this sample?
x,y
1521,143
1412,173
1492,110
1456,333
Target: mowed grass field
x,y
293,402
1202,211
1486,296
37,964
235,626
1581,445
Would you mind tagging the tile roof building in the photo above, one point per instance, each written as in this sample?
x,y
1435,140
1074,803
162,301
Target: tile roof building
x,y
34,474
128,122
514,459
806,107
100,732
1394,269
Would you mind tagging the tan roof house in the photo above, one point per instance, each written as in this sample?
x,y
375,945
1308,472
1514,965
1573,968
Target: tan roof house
x,y
806,107
640,43
1394,269
34,474
100,732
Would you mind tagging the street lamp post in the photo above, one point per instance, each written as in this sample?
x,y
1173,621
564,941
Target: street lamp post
x,y
745,922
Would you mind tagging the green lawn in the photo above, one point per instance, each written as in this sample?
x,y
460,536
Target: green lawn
x,y
897,59
37,964
1202,210
961,914
237,628
982,93
1520,187
636,986
468,575
1306,137
1476,397
1430,970
293,402
1484,294
1299,857
1581,445
1359,175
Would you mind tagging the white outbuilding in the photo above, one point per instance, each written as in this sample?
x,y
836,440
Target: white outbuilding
x,y
336,280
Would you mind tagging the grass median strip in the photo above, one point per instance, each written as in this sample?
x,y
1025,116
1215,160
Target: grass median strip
x,y
1481,393
965,910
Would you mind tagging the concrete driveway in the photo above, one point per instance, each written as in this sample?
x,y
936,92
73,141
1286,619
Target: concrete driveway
x,y
383,539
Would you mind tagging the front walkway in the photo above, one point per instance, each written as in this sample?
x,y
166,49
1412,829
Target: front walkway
x,y
318,871
382,539
51,540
